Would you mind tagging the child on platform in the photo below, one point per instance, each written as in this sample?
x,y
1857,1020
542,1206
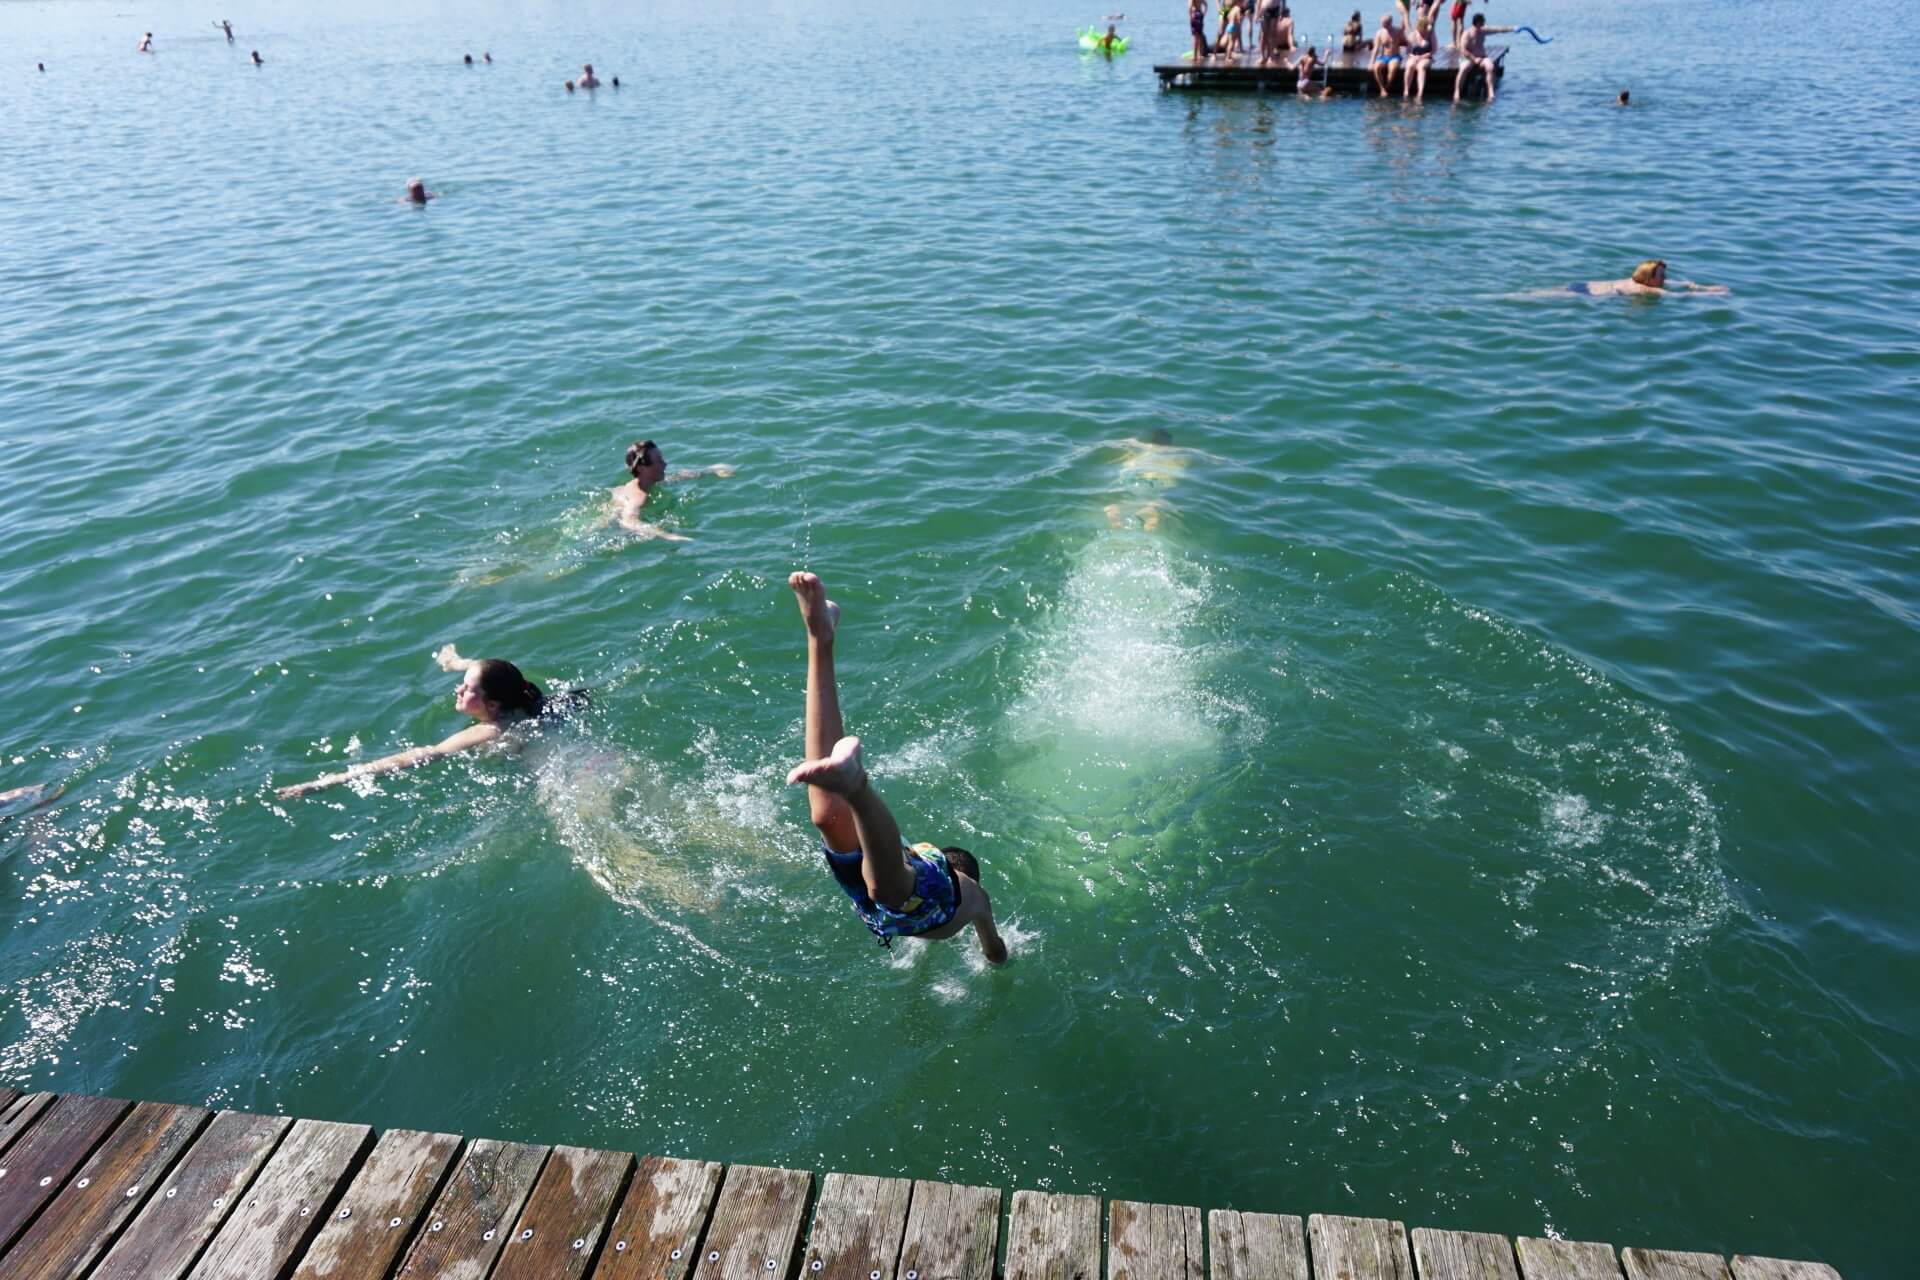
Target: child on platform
x,y
899,892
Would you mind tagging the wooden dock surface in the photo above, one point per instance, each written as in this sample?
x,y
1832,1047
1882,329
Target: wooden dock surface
x,y
1347,73
100,1187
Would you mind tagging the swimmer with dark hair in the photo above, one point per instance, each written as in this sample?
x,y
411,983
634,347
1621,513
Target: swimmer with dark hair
x,y
256,58
491,691
587,79
468,57
1649,279
648,467
1622,100
569,85
146,43
898,891
417,192
488,57
616,82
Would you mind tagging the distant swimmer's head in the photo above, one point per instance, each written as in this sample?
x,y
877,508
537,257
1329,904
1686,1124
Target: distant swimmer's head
x,y
1623,99
569,86
1652,273
960,860
468,57
256,57
417,190
646,463
487,56
493,689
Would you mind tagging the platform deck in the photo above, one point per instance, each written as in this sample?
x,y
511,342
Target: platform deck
x,y
99,1187
1347,73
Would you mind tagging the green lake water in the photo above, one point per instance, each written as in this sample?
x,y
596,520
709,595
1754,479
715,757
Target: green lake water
x,y
1484,799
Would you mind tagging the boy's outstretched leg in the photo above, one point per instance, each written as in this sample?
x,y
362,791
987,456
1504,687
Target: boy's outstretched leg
x,y
824,728
841,774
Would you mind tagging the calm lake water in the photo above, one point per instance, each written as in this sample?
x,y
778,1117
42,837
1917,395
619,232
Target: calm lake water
x,y
1485,799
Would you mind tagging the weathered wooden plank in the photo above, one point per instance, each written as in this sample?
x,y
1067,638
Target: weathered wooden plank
x,y
756,1223
1358,1248
1256,1246
20,1115
177,1221
1463,1255
104,1192
857,1227
568,1209
467,1227
1665,1264
1053,1237
952,1233
376,1217
43,1156
660,1220
6,1098
286,1204
1566,1259
1153,1242
1748,1268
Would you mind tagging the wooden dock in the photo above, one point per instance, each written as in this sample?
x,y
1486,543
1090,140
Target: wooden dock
x,y
1347,73
99,1187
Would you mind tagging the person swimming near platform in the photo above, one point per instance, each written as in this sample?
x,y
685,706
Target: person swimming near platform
x,y
648,467
1386,61
1473,55
1649,279
587,79
898,891
1147,469
1309,68
1354,38
257,60
146,43
1623,100
227,27
1107,43
417,192
1417,22
468,57
487,58
491,691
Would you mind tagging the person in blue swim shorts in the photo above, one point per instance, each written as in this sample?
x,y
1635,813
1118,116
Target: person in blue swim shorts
x,y
899,891
1387,43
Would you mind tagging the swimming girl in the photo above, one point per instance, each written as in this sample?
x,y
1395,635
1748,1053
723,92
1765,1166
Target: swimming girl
x,y
491,691
1649,279
648,467
899,892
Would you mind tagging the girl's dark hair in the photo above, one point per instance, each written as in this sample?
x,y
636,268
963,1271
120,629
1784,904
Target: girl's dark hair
x,y
637,455
501,683
960,860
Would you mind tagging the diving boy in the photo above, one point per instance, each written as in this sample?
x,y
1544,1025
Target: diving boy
x,y
899,892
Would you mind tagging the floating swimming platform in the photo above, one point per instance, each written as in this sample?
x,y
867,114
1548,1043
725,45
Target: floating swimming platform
x,y
1346,73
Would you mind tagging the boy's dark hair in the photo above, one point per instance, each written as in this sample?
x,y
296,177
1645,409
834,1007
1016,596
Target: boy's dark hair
x,y
960,860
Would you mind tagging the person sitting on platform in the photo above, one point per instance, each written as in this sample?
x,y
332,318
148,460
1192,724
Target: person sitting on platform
x,y
1422,44
1649,279
899,892
1386,61
1473,56
1355,37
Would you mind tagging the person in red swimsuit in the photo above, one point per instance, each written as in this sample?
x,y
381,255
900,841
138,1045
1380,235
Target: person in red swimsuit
x,y
1459,15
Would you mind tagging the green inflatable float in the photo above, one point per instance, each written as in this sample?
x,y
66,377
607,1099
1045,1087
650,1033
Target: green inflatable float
x,y
1092,41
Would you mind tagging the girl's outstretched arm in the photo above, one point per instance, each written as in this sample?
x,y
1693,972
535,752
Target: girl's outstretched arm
x,y
466,740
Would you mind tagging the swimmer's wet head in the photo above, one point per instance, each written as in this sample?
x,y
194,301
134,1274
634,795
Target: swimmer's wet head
x,y
417,190
645,463
1652,273
493,690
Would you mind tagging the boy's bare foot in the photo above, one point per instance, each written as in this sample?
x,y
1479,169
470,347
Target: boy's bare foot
x,y
821,615
841,772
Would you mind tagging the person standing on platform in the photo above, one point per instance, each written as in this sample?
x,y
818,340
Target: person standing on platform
x,y
1459,15
898,891
1197,23
1355,37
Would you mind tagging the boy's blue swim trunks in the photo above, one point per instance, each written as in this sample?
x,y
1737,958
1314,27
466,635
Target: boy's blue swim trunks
x,y
935,899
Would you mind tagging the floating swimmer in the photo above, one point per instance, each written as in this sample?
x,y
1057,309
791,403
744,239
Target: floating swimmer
x,y
491,691
587,79
1150,467
24,800
1649,279
648,467
257,60
899,892
417,192
146,43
